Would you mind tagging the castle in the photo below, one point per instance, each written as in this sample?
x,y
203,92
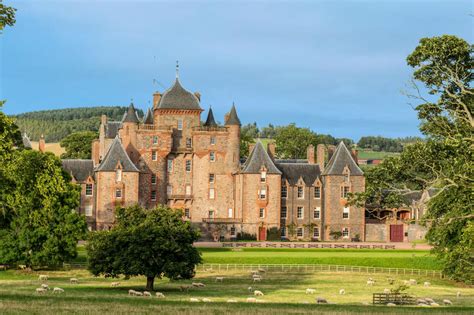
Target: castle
x,y
170,157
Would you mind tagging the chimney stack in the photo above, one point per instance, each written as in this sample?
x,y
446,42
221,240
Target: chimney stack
x,y
321,156
41,144
331,149
355,155
198,95
103,119
156,99
271,148
310,154
251,147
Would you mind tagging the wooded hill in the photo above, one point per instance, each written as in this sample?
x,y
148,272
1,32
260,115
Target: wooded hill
x,y
57,124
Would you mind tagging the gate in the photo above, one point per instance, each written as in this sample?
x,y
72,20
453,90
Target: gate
x,y
396,233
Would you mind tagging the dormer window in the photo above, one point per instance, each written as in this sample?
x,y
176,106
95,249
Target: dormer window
x,y
180,124
118,175
263,176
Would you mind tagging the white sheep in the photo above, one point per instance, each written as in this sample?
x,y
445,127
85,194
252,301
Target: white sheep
x,y
43,278
250,289
258,293
73,280
206,300
406,282
370,282
391,304
41,290
131,292
310,291
386,291
321,300
423,305
231,301
45,286
146,293
198,284
221,279
429,300
253,272
257,279
434,304
426,284
193,300
115,284
138,293
160,295
58,290
22,267
421,301
447,302
251,300
342,292
261,270
413,282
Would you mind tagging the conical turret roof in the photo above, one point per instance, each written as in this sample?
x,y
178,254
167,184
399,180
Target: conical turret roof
x,y
148,117
210,122
131,115
233,119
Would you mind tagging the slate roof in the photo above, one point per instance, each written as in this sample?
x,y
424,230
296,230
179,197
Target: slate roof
x,y
258,158
340,159
233,119
210,122
116,154
111,129
178,97
79,169
148,117
292,172
131,115
291,161
26,141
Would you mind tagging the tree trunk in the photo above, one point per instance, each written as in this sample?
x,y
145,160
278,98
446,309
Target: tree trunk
x,y
149,283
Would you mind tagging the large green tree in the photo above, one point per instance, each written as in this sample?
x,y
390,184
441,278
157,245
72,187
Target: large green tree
x,y
78,145
7,16
153,243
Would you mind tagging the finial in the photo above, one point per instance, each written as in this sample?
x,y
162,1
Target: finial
x,y
177,69
131,100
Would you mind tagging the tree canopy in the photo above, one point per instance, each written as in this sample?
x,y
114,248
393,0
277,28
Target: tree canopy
x,y
78,145
153,243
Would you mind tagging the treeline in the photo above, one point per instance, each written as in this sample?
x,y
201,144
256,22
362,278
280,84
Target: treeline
x,y
58,124
386,144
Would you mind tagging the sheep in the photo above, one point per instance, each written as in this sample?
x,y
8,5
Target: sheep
x,y
22,267
391,304
370,282
321,300
251,300
231,301
115,284
131,292
206,300
198,284
73,280
257,279
458,294
391,281
41,290
58,290
406,282
221,279
43,278
160,295
386,291
261,270
422,304
426,284
184,288
342,292
256,276
258,293
447,302
253,272
45,286
413,282
429,300
146,293
421,301
371,279
193,300
250,289
138,293
310,291
434,304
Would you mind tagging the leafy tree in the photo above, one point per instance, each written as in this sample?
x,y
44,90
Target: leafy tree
x,y
153,243
10,136
7,16
245,141
39,224
292,141
78,145
380,144
269,132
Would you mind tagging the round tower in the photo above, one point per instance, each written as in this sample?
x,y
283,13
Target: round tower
x,y
232,122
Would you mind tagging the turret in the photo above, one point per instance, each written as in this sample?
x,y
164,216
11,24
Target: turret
x,y
129,132
232,122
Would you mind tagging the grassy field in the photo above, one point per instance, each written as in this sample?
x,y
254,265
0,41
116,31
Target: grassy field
x,y
284,293
376,155
53,147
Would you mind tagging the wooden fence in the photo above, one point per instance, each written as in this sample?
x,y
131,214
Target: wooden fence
x,y
395,298
305,245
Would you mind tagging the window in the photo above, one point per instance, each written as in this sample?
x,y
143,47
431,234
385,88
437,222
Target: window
x,y
88,210
283,231
262,193
169,190
300,192
263,177
232,231
118,175
284,191
153,156
316,232
346,177
299,232
212,156
317,192
180,124
88,189
155,139
188,190
211,214
261,213
345,213
299,212
212,177
118,193
230,213
153,179
170,165
153,195
187,214
283,212
212,193
213,140
345,233
317,213
189,143
345,191
188,166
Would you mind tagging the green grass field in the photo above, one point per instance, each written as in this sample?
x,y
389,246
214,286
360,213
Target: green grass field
x,y
368,154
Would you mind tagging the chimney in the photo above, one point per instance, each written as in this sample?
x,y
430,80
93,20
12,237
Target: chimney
x,y
310,154
41,144
271,148
331,149
103,119
198,95
156,99
355,155
321,156
251,147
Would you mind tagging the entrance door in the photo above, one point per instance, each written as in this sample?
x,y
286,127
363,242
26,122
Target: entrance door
x,y
396,233
262,234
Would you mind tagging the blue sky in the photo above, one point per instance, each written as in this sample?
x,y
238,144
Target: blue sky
x,y
337,67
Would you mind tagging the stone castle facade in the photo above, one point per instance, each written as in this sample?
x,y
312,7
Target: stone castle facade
x,y
170,157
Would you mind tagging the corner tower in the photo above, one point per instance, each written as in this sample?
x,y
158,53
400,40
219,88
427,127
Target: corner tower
x,y
232,122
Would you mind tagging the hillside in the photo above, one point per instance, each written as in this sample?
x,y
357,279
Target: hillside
x,y
57,124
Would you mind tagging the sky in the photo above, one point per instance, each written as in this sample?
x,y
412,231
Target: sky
x,y
337,67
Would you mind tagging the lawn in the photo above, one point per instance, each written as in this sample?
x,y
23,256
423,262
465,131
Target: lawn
x,y
284,293
375,155
53,147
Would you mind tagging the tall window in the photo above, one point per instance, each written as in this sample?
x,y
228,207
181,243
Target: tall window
x,y
153,156
212,193
232,231
213,140
180,124
316,232
212,156
88,189
170,165
211,214
187,213
118,193
155,139
345,213
345,232
188,190
153,179
283,212
169,190
261,213
188,166
283,231
284,191
263,176
118,175
345,191
212,178
300,192
317,213
317,192
299,232
88,210
189,143
299,212
230,213
153,195
262,193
